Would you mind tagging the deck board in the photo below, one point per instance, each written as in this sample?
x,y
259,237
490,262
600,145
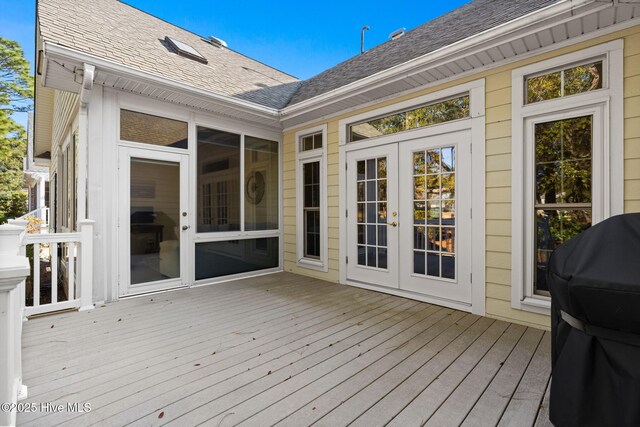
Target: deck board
x,y
284,349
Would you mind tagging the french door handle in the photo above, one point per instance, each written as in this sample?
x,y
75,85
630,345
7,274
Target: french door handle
x,y
393,224
185,227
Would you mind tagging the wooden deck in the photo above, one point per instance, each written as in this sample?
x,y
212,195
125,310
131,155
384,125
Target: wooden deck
x,y
287,350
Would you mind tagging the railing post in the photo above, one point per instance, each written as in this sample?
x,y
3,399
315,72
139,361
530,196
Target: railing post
x,y
85,265
14,268
22,251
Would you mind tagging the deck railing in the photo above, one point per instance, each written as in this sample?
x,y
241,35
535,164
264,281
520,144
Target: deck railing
x,y
41,213
61,269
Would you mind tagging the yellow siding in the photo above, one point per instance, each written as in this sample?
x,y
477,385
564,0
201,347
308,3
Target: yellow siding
x,y
498,172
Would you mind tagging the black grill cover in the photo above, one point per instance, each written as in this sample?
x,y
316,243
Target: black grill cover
x,y
595,278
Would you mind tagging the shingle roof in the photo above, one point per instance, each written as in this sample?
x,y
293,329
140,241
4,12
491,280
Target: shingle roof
x,y
116,31
113,30
459,24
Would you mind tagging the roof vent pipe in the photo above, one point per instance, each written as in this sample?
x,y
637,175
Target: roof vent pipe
x,y
397,33
364,28
218,42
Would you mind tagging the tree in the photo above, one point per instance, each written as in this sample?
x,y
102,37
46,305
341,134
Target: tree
x,y
16,94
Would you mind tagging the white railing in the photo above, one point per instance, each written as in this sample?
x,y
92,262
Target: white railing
x,y
53,266
41,213
61,270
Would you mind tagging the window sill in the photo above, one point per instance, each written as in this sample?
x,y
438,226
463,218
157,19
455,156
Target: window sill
x,y
312,264
538,305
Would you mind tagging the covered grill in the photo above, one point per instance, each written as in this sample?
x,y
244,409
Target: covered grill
x,y
594,280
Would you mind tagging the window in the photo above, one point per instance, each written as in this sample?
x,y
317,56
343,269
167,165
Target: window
x,y
566,159
312,225
428,115
261,184
221,158
154,130
238,195
565,82
563,169
311,209
218,180
68,179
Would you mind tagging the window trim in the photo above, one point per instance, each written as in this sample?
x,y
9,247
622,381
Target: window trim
x,y
607,157
303,157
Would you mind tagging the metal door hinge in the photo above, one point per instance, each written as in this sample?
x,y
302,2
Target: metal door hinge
x,y
470,277
346,213
347,259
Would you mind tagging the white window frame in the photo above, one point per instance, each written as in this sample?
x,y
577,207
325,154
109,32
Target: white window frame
x,y
606,106
303,157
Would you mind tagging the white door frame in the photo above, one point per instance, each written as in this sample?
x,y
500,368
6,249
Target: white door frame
x,y
476,124
125,154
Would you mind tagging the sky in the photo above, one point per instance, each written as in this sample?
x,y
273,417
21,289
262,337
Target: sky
x,y
299,38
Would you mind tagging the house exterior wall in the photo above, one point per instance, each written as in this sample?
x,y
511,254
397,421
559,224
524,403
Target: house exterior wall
x,y
497,169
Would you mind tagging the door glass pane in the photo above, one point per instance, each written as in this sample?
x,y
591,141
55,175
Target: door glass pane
x,y
218,180
371,178
261,184
154,220
433,190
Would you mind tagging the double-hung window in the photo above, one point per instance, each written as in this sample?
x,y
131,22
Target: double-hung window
x,y
566,159
312,198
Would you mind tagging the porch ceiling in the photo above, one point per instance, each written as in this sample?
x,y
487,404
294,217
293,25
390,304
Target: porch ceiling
x,y
284,348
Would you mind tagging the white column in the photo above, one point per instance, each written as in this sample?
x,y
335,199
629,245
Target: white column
x,y
85,226
14,268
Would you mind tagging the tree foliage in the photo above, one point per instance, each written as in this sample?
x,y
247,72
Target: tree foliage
x,y
16,83
16,93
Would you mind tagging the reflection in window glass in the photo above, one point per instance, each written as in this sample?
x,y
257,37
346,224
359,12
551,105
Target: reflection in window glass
x,y
311,209
218,172
570,81
434,212
154,221
372,212
261,184
563,187
311,142
439,112
149,129
216,259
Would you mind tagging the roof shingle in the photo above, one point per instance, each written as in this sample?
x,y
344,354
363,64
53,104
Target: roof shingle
x,y
116,31
461,23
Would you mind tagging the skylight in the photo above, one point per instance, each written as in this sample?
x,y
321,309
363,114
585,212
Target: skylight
x,y
185,50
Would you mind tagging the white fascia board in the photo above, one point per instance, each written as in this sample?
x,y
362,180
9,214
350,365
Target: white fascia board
x,y
53,50
449,52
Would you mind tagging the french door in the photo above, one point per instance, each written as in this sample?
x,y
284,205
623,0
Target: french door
x,y
409,216
153,220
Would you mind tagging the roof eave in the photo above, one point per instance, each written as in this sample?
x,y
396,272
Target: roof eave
x,y
460,48
57,51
